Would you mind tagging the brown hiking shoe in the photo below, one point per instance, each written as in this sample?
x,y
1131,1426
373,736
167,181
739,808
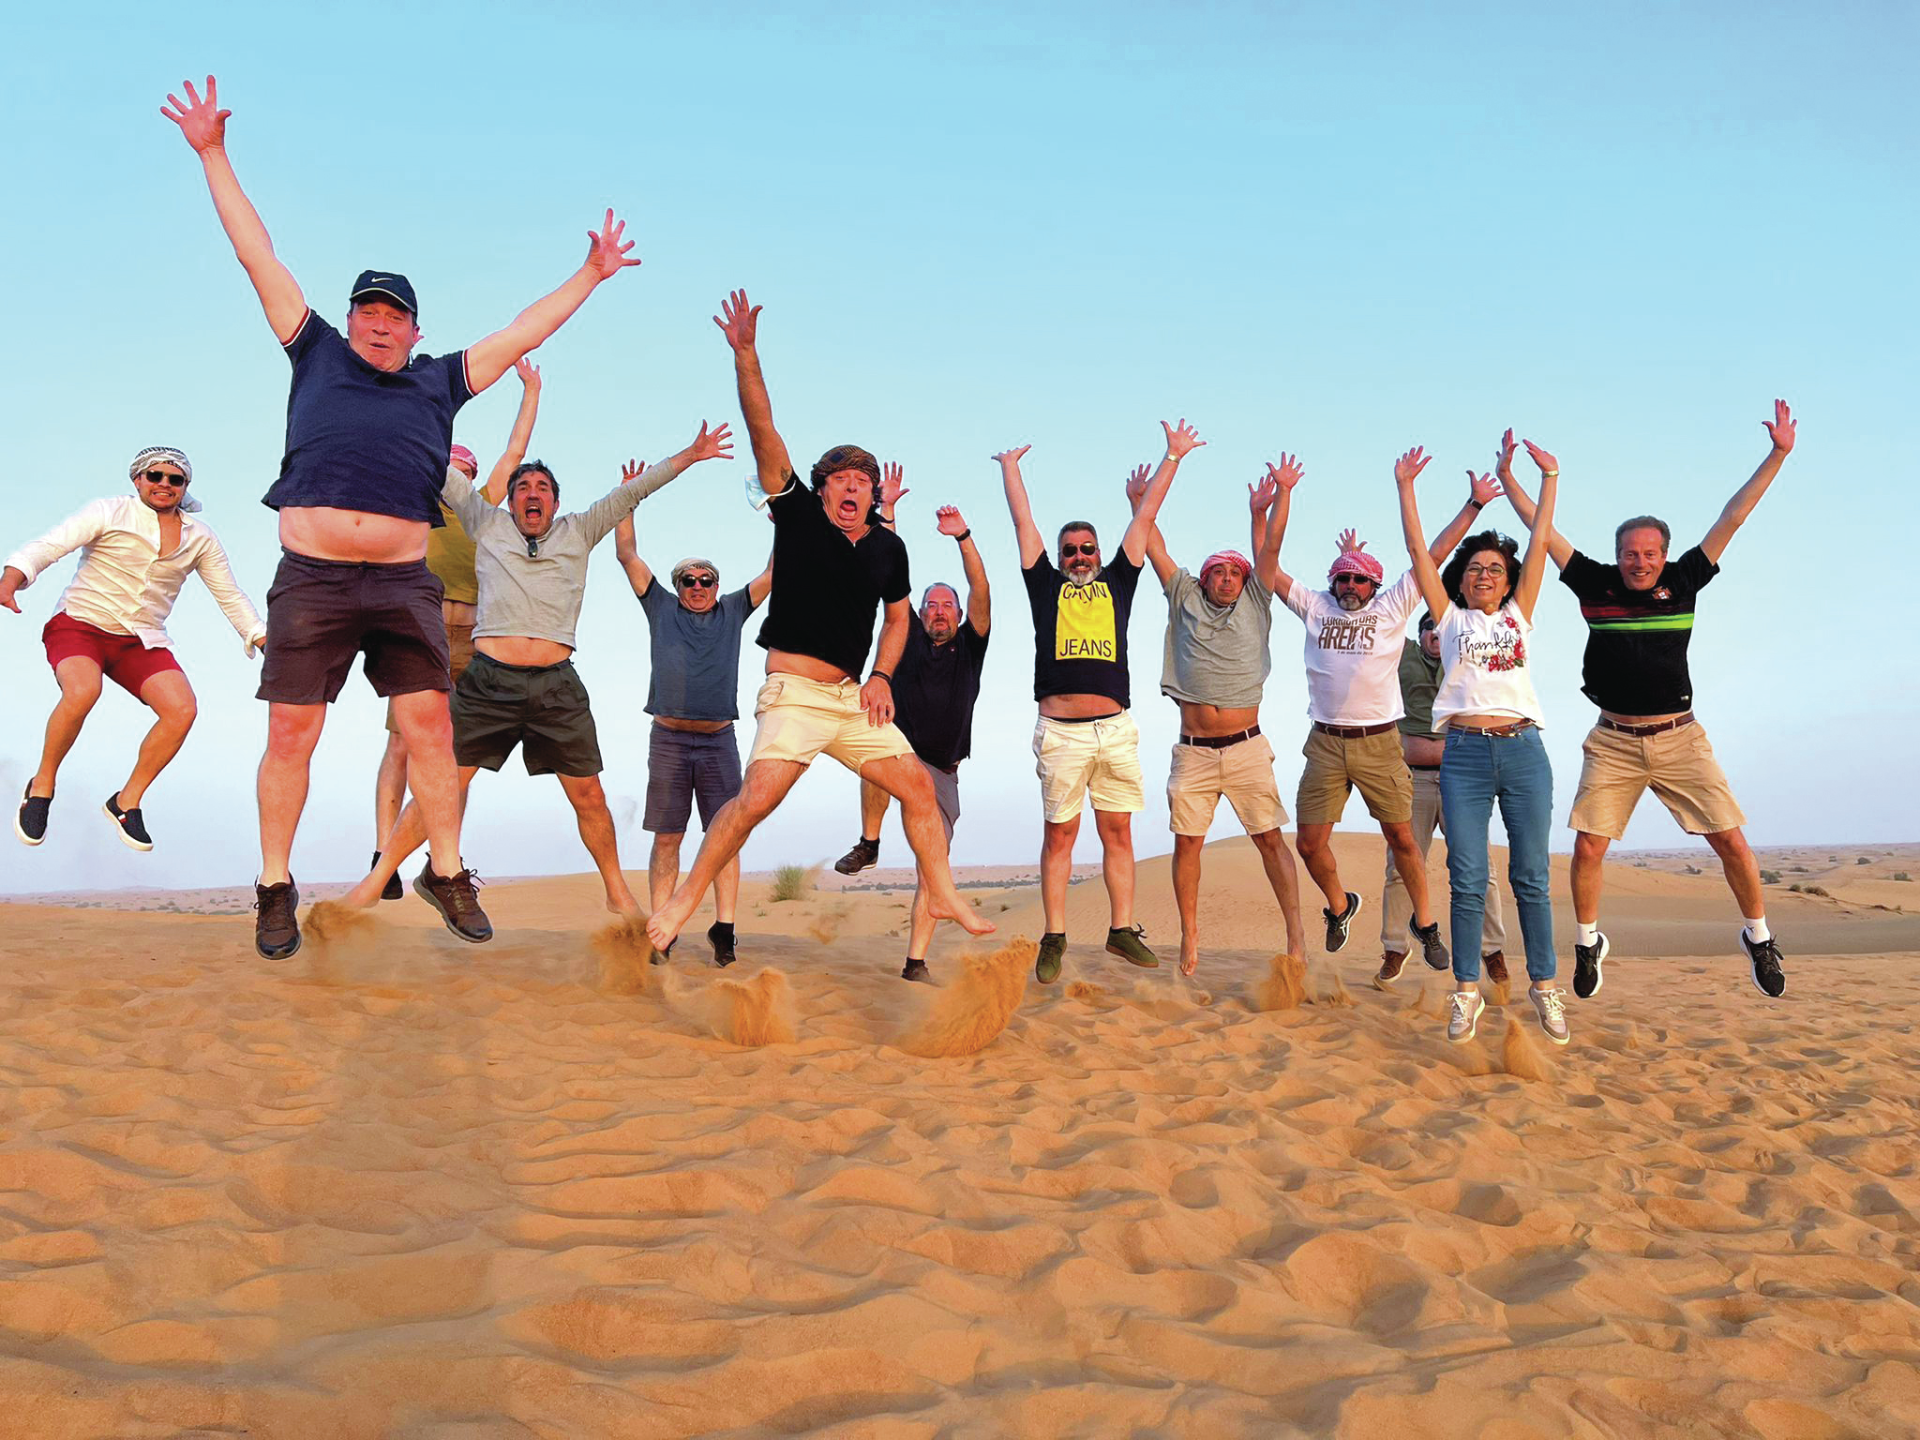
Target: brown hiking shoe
x,y
1391,965
452,895
276,929
1495,964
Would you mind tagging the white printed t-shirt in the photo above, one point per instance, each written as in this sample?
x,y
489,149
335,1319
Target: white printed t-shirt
x,y
1353,656
1486,665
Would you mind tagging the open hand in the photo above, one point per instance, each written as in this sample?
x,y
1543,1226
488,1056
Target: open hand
x,y
1407,468
1012,457
892,490
1548,465
1483,487
1290,471
947,519
1503,457
738,321
203,122
1260,497
1781,427
1137,484
606,256
1182,439
633,470
716,444
1351,543
528,372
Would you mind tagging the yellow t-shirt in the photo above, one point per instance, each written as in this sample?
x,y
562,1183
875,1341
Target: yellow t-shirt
x,y
450,557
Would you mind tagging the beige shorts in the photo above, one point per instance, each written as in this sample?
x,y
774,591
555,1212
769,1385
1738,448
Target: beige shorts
x,y
1677,764
1100,758
1243,772
800,719
1374,765
459,656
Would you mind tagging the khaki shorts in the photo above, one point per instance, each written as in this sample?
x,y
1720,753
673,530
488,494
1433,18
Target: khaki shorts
x,y
1677,764
1374,765
1243,772
1097,758
800,719
459,656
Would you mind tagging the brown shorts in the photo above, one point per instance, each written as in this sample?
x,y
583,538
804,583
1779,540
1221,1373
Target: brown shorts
x,y
459,656
1372,764
323,613
1677,764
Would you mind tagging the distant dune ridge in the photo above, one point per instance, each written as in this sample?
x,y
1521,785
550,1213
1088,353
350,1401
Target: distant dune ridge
x,y
404,1186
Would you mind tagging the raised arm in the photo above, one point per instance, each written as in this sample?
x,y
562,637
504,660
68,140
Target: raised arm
x,y
618,503
979,593
740,323
625,548
1406,471
1781,430
204,125
1540,526
1480,489
1163,566
489,359
1279,482
1182,440
761,585
1557,544
520,436
1032,546
893,490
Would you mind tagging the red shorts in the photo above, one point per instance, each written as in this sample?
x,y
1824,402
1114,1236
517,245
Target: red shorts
x,y
121,658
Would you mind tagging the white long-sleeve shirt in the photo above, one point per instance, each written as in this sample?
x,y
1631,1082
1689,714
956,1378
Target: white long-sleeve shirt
x,y
124,584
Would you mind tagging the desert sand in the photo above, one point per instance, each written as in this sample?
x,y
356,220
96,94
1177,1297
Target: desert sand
x,y
403,1187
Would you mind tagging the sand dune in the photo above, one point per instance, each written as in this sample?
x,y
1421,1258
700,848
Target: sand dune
x,y
402,1186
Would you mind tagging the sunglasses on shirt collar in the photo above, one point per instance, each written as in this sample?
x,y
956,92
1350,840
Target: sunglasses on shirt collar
x,y
163,477
700,582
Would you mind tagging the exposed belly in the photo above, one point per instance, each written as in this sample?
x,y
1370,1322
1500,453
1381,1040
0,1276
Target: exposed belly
x,y
804,665
1198,719
691,727
1644,719
325,533
522,650
1078,707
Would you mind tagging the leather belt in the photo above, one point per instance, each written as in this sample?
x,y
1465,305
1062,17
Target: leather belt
x,y
1659,727
1355,732
1498,732
1412,766
1220,742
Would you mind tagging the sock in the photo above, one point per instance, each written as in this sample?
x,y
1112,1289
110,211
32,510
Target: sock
x,y
1758,932
873,840
1053,935
721,930
1585,934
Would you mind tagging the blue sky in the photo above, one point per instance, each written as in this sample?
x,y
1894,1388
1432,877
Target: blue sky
x,y
1337,230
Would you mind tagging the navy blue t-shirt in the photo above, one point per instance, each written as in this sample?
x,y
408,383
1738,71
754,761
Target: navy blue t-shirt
x,y
362,438
696,658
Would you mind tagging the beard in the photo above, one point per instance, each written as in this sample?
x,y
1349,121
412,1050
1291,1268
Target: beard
x,y
1351,600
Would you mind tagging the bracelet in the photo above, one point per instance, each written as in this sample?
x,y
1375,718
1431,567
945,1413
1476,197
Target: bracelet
x,y
963,536
1549,474
881,675
1172,459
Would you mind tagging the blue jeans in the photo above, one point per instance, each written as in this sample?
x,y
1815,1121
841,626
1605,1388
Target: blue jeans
x,y
1477,772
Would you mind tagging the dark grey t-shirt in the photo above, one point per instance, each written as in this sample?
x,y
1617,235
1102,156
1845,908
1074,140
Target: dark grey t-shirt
x,y
696,658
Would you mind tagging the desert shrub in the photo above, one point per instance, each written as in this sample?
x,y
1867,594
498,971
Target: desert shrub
x,y
790,882
1901,875
1769,877
1693,869
1861,860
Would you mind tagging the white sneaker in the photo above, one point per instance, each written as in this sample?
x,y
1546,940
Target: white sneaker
x,y
1552,1007
1464,1018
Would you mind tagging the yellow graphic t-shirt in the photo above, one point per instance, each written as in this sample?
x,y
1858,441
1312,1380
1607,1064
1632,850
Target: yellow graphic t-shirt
x,y
1083,627
1080,631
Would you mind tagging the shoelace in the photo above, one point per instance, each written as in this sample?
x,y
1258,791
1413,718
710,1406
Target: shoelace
x,y
1553,1007
1462,1006
460,891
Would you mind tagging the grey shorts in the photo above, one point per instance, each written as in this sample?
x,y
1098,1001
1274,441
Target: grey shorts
x,y
683,767
946,793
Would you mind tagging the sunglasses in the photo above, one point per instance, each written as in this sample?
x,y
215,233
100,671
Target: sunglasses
x,y
163,477
696,582
1349,578
1085,547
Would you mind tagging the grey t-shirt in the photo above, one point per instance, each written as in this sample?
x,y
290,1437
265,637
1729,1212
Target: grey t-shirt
x,y
537,592
696,658
1214,656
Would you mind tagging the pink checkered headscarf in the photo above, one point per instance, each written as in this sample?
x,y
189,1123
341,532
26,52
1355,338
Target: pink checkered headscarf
x,y
460,454
1227,557
1357,562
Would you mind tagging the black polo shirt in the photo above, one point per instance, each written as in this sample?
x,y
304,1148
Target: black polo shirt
x,y
362,438
1080,631
934,692
1636,660
826,591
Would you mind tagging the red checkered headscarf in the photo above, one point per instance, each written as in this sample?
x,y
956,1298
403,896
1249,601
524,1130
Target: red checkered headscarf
x,y
460,454
1357,562
1227,557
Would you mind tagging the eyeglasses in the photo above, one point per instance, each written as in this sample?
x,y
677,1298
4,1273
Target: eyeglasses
x,y
693,582
1085,547
163,477
1493,572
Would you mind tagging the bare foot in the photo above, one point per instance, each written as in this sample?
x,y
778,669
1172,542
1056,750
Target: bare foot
x,y
363,896
961,914
664,928
1189,959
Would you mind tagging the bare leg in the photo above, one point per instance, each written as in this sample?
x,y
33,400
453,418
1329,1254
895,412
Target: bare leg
x,y
726,892
1056,868
170,698
920,935
765,785
1742,871
1589,851
1277,860
389,788
431,774
408,834
1412,866
79,681
1115,828
589,801
1315,843
873,809
663,866
292,732
1186,895
905,778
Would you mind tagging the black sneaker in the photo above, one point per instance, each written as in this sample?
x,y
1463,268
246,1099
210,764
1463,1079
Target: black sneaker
x,y
916,970
1130,944
722,942
452,895
1338,925
276,929
132,828
1768,978
393,889
863,856
1587,979
661,957
1053,949
31,823
1432,948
